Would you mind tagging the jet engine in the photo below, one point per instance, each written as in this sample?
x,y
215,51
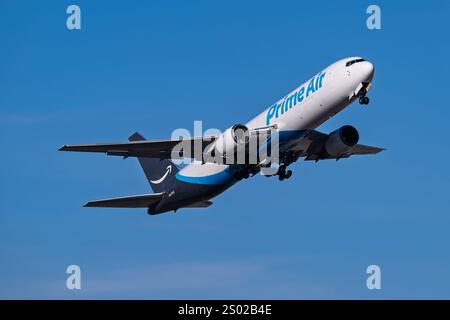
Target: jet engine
x,y
232,139
341,140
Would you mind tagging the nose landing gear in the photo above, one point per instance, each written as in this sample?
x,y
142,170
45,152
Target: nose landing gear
x,y
363,100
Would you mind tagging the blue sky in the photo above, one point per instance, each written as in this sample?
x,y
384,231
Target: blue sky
x,y
159,66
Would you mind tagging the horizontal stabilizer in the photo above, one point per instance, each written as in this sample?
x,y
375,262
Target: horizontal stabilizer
x,y
138,201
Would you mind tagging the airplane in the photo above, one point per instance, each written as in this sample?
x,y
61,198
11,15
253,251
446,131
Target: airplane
x,y
293,118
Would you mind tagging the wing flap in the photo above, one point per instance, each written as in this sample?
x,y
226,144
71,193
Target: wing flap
x,y
362,149
138,201
123,146
201,204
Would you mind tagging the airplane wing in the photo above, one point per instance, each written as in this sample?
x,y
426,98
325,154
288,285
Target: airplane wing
x,y
358,149
139,201
318,140
162,149
311,146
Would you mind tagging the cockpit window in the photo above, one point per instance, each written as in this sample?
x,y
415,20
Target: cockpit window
x,y
349,63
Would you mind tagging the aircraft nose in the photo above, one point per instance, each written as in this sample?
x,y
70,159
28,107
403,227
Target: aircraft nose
x,y
368,70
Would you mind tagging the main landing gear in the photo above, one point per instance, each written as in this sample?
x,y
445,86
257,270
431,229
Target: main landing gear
x,y
283,173
245,173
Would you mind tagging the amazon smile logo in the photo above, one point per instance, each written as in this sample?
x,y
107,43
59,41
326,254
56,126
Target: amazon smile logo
x,y
168,170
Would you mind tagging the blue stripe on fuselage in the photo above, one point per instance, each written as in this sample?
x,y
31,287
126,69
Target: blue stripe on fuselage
x,y
226,176
223,177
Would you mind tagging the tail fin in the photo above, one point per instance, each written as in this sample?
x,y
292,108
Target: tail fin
x,y
160,173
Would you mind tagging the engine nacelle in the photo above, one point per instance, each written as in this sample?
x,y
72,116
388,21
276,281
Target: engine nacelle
x,y
232,140
341,140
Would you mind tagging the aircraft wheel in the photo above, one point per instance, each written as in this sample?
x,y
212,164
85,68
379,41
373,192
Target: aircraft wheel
x,y
281,177
282,170
364,100
288,174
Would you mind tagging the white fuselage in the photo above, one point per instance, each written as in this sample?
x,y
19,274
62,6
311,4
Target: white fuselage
x,y
306,107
